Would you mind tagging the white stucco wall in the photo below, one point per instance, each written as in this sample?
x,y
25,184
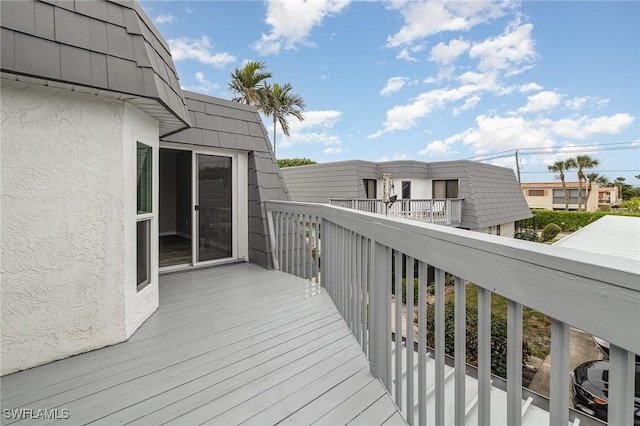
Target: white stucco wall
x,y
420,188
68,223
506,230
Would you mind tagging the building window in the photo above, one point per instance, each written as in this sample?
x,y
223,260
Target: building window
x,y
406,189
536,193
144,209
445,188
558,196
370,188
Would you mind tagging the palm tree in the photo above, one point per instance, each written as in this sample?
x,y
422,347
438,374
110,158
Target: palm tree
x,y
280,104
248,84
561,167
595,178
582,162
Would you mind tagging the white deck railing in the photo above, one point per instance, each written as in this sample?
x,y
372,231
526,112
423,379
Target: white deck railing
x,y
442,211
596,293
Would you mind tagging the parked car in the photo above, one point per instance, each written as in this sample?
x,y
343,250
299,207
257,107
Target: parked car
x,y
590,389
603,347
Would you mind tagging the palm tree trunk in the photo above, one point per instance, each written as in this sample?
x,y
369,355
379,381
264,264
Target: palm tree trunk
x,y
579,191
274,135
566,193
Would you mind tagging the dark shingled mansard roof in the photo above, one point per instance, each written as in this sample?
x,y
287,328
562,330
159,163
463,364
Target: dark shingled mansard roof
x,y
492,195
107,47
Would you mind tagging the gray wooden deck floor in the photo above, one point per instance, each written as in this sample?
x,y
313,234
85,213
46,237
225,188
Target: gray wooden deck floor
x,y
228,345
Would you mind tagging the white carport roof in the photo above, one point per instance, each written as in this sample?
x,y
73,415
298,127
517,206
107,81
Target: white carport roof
x,y
611,235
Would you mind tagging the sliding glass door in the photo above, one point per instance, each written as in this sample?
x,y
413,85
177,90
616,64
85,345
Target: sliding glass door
x,y
214,207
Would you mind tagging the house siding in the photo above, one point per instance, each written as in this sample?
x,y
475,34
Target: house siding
x,y
68,237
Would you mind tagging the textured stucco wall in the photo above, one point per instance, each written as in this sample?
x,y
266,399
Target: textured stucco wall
x,y
66,223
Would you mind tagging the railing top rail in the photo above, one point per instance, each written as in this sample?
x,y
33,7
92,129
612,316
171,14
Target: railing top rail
x,y
406,199
597,293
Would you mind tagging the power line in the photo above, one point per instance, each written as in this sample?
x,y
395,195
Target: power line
x,y
594,171
592,147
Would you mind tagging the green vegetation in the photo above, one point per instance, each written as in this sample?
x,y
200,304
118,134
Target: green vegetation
x,y
249,85
632,205
568,221
549,232
292,162
526,234
498,331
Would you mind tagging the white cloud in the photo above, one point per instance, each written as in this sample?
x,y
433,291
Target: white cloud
x,y
405,55
164,19
446,53
469,103
394,84
204,86
422,19
395,157
541,101
291,21
529,87
511,49
494,133
441,147
337,150
576,103
314,129
200,50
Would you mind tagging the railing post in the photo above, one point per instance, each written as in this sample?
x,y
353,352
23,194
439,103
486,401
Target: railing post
x,y
621,383
514,363
272,239
447,211
460,326
559,369
380,315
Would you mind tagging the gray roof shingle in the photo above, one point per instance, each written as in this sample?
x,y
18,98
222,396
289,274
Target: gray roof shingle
x,y
107,45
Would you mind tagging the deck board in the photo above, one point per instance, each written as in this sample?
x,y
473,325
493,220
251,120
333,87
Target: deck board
x,y
228,345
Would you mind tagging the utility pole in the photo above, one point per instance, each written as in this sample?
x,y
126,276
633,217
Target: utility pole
x,y
518,166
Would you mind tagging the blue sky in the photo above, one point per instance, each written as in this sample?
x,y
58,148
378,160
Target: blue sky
x,y
431,81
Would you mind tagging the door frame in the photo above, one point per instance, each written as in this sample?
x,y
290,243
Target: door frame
x,y
239,197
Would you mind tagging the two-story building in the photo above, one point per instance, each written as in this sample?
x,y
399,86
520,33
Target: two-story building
x,y
464,194
551,195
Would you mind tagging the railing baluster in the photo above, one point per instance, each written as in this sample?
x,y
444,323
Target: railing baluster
x,y
460,350
484,356
398,327
366,285
358,288
380,315
514,363
621,383
286,242
353,267
439,346
409,324
559,414
422,343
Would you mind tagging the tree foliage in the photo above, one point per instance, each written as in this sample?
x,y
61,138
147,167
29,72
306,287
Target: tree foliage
x,y
549,232
292,162
249,85
568,221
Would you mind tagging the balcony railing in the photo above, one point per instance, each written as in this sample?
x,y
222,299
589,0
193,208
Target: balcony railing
x,y
441,211
596,293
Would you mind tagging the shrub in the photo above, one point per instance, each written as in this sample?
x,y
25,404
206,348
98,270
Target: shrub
x,y
498,338
568,221
549,232
526,234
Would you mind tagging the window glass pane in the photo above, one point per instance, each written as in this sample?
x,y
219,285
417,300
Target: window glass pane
x,y
144,178
452,189
439,189
143,254
406,189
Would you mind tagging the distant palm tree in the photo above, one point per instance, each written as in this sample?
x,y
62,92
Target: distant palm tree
x,y
582,162
561,167
597,179
248,84
280,104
